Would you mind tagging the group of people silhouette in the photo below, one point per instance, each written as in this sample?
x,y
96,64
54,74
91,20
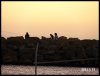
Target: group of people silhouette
x,y
52,37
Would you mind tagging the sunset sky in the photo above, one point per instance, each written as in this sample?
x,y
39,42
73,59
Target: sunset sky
x,y
67,18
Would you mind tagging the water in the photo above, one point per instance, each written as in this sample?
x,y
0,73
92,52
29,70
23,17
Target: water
x,y
47,70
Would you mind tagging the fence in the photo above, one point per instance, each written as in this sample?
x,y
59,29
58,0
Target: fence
x,y
56,61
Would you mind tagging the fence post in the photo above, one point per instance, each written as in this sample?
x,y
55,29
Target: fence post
x,y
36,58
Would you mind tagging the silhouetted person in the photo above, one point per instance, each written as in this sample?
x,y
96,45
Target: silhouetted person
x,y
26,35
52,37
56,36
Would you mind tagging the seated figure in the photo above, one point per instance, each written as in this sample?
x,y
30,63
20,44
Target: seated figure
x,y
52,37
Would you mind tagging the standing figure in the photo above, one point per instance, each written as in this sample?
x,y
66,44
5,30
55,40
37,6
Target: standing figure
x,y
26,35
56,36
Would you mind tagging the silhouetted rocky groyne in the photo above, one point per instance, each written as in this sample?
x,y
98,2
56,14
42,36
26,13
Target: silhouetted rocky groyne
x,y
17,50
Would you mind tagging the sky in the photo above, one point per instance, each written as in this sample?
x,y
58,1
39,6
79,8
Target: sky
x,y
77,19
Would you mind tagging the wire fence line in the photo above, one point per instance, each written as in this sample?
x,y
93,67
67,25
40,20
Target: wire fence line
x,y
67,61
36,62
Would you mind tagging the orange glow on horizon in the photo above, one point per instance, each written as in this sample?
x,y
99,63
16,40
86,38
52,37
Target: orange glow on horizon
x,y
67,18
